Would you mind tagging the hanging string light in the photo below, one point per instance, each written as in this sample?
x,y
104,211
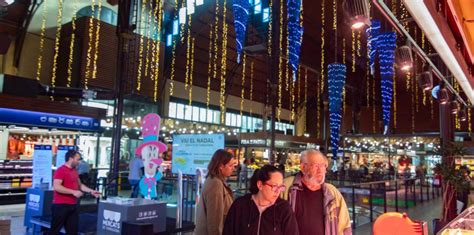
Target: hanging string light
x,y
294,34
412,107
299,84
374,124
372,40
223,60
353,51
270,26
148,36
469,120
367,80
306,100
90,43
97,39
159,14
336,81
209,69
41,45
251,87
394,101
408,81
173,62
358,44
191,72
188,54
386,45
323,22
242,92
280,63
71,45
344,50
56,43
140,50
292,91
216,38
431,107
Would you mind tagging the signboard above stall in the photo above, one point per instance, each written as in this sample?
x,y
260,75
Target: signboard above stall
x,y
51,120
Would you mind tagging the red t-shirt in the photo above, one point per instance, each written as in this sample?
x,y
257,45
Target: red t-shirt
x,y
70,180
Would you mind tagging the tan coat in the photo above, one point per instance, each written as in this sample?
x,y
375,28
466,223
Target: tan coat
x,y
215,202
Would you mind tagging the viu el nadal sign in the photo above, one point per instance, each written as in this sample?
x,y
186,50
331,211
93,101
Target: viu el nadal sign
x,y
52,120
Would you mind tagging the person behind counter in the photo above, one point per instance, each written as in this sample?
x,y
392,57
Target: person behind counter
x,y
67,189
262,211
216,196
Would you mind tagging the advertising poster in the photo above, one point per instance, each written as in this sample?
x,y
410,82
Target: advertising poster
x,y
62,150
192,151
42,162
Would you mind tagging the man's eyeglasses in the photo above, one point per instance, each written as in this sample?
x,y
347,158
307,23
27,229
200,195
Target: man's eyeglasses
x,y
320,165
276,188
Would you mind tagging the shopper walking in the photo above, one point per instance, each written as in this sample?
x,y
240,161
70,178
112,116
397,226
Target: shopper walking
x,y
67,189
262,211
135,173
319,207
216,196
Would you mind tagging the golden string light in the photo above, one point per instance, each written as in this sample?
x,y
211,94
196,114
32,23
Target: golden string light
x,y
292,91
216,39
367,80
416,96
223,60
358,44
173,62
323,22
140,50
181,32
415,84
394,101
41,46
353,52
71,45
344,100
191,72
408,81
306,99
280,63
56,42
242,92
373,106
299,84
188,54
334,15
209,69
270,26
412,106
344,50
251,87
432,107
97,39
469,120
287,63
89,48
159,13
148,41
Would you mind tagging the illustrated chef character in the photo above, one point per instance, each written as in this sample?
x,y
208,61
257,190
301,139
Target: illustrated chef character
x,y
150,151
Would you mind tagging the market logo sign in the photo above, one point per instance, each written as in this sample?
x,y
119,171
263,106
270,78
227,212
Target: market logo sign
x,y
111,221
33,201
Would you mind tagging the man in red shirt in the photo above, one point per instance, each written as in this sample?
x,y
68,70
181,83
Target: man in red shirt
x,y
67,189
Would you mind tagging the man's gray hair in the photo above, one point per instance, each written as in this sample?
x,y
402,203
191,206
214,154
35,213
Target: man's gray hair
x,y
310,152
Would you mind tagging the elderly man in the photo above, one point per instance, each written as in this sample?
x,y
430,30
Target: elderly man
x,y
319,207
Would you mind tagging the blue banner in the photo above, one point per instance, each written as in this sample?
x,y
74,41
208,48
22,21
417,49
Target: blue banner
x,y
51,120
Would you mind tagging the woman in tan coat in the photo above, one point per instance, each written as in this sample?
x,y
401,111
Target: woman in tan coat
x,y
216,197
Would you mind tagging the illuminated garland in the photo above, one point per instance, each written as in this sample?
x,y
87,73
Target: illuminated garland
x,y
469,120
159,12
372,40
412,107
216,38
223,61
353,51
148,35
374,124
89,48
394,101
191,72
140,50
56,42
242,92
41,46
344,50
299,85
358,44
292,88
408,81
71,45
270,26
336,81
295,34
241,16
188,54
322,45
97,39
306,100
387,42
415,84
251,87
209,70
432,107
173,62
181,32
280,63
367,80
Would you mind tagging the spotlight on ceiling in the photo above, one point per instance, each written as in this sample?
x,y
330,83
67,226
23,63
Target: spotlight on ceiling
x,y
454,106
462,114
358,13
425,80
404,58
443,96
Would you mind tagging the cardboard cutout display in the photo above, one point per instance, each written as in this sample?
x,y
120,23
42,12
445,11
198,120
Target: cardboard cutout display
x,y
150,151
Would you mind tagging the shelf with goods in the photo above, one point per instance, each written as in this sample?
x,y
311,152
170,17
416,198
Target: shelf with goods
x,y
466,160
15,178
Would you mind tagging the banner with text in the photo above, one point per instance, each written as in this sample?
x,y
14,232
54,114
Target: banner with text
x,y
42,162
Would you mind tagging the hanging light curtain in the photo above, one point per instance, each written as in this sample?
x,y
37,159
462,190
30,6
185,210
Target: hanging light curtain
x,y
241,17
295,34
336,81
386,44
372,34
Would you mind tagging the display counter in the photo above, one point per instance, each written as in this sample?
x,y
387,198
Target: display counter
x,y
461,225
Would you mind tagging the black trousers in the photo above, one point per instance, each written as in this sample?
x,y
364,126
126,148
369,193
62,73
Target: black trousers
x,y
64,215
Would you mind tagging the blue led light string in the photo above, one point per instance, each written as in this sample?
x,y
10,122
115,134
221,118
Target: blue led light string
x,y
372,35
241,17
295,34
336,81
387,42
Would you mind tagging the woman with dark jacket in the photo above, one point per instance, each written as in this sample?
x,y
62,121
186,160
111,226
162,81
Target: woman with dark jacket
x,y
262,211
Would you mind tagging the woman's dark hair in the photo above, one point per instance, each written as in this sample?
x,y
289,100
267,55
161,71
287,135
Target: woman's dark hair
x,y
262,174
220,157
70,154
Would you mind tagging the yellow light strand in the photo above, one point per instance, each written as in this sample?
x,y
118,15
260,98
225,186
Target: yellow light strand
x,y
292,88
71,45
280,63
242,92
41,45
408,81
188,55
367,80
173,62
412,107
394,101
216,39
353,52
209,69
159,14
344,50
270,27
223,60
287,63
432,107
148,41
140,50
344,101
306,99
191,72
89,48
299,84
56,42
416,95
251,87
358,44
97,39
181,32
373,106
469,120
323,22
